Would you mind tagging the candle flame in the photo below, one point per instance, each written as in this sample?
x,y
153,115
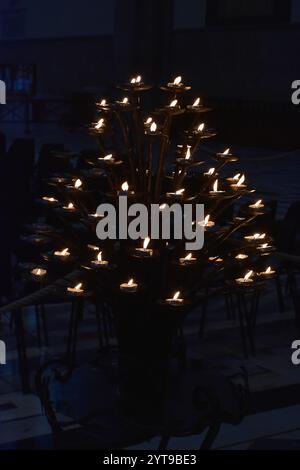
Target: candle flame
x,y
259,236
70,205
125,100
177,80
146,243
78,286
130,282
108,157
211,171
188,256
78,183
38,271
241,180
103,102
226,152
196,102
268,270
99,256
188,153
176,295
206,220
136,79
264,245
257,203
153,127
241,256
125,186
99,124
215,186
179,191
49,199
201,127
173,103
236,177
248,275
148,120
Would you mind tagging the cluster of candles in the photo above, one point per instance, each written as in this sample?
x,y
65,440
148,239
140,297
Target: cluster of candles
x,y
248,278
215,187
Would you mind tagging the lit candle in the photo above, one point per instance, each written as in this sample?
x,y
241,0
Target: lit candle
x,y
38,272
136,80
255,237
153,127
63,254
215,191
234,179
49,199
241,256
93,247
207,223
173,104
210,172
124,102
268,272
188,153
188,259
178,193
99,262
125,189
108,158
95,216
100,124
148,121
239,184
196,103
69,207
264,247
201,126
77,290
176,83
144,251
129,286
257,205
78,184
216,259
175,301
246,279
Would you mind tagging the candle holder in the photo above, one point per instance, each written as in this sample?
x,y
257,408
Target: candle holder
x,y
109,160
139,167
48,201
176,86
226,156
188,260
129,287
135,85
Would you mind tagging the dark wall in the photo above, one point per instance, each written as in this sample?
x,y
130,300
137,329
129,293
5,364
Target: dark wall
x,y
247,64
64,65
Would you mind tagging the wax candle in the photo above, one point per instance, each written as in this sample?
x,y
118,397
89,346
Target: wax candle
x,y
176,300
129,286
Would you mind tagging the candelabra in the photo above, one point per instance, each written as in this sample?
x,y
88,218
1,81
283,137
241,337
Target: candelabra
x,y
150,284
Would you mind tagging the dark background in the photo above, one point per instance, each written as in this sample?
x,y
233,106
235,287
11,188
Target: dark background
x,y
240,56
